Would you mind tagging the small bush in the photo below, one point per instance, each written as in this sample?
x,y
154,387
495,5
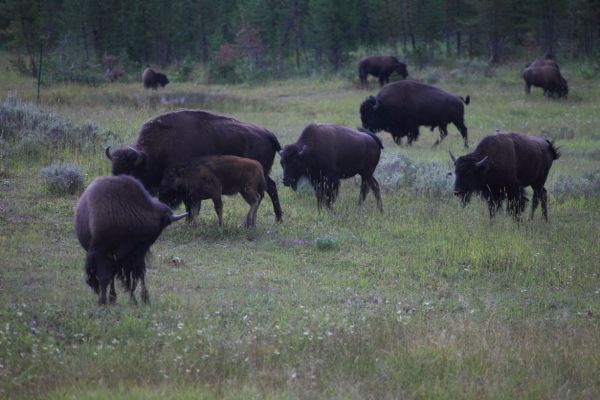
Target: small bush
x,y
62,178
431,76
586,185
430,178
31,130
326,242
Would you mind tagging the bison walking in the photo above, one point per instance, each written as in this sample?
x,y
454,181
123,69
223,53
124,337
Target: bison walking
x,y
116,222
402,107
380,67
325,154
152,79
211,177
501,166
176,138
547,77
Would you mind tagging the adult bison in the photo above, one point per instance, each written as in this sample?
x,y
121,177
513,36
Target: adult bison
x,y
116,222
380,67
176,138
548,78
501,166
152,79
401,107
326,153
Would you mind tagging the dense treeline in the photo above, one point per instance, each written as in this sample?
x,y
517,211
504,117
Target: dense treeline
x,y
282,35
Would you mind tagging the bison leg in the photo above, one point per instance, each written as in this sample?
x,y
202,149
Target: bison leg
x,y
112,295
382,80
544,198
272,192
443,133
460,125
132,298
537,193
145,296
253,199
105,274
364,190
331,191
375,187
218,203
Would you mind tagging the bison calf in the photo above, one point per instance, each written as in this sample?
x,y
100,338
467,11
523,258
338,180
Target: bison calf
x,y
152,79
210,177
326,153
548,78
116,222
501,167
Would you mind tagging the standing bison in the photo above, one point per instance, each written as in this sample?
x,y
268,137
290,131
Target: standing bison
x,y
380,67
211,177
501,166
547,77
116,222
401,107
327,153
152,79
176,138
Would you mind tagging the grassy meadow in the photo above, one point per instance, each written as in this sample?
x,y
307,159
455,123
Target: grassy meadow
x,y
428,300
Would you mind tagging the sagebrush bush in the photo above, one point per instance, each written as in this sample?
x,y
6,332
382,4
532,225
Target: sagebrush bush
x,y
62,178
586,185
32,130
400,171
431,76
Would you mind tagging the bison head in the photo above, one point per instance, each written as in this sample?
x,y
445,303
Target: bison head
x,y
563,89
169,191
128,161
469,174
293,162
162,79
401,69
371,114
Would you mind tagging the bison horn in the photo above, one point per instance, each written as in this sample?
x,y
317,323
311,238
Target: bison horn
x,y
280,153
303,150
173,218
452,157
107,151
482,162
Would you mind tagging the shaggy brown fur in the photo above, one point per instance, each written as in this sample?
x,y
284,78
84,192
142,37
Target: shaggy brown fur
x,y
547,78
211,177
380,67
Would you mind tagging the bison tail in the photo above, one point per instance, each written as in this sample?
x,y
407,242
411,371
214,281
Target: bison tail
x,y
554,150
374,136
90,271
274,142
467,100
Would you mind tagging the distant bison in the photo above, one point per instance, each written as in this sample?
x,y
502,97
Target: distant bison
x,y
543,62
176,138
548,78
380,67
327,153
152,79
501,166
211,177
401,107
116,222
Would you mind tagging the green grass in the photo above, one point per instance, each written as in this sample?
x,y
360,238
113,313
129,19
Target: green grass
x,y
428,300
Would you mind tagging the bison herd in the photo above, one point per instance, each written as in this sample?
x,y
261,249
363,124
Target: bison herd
x,y
193,155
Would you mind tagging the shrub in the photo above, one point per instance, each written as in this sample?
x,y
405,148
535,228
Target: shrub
x,y
326,242
62,178
31,130
429,178
431,76
585,185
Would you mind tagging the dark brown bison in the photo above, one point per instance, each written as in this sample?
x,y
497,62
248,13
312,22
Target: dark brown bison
x,y
401,107
548,78
501,167
327,153
380,67
543,62
152,79
116,222
211,177
176,138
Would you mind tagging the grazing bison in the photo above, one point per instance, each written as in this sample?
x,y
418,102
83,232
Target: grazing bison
x,y
116,222
176,138
327,153
548,78
210,177
501,166
380,67
401,107
152,79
